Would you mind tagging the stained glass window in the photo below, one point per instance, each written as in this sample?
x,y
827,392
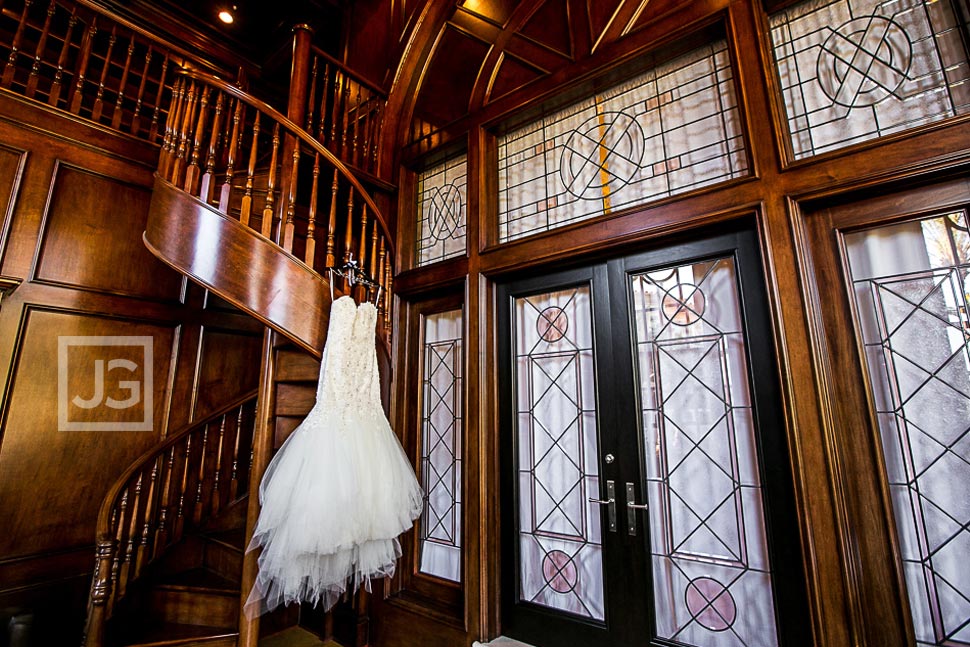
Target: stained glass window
x,y
911,283
712,578
670,130
854,70
560,548
441,209
441,427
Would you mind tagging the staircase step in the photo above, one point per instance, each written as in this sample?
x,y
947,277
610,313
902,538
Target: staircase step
x,y
224,554
295,399
172,635
296,365
284,427
195,597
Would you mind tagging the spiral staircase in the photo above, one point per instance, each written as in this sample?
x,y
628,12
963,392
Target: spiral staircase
x,y
258,210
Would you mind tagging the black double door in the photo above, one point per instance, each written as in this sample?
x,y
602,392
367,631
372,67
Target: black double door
x,y
646,488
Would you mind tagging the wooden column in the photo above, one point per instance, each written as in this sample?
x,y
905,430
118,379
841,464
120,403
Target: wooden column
x,y
296,110
262,453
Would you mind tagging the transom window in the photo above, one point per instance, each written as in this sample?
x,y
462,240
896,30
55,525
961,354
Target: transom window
x,y
667,131
854,70
441,208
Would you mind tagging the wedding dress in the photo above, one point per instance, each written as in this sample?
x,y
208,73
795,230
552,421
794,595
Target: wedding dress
x,y
341,489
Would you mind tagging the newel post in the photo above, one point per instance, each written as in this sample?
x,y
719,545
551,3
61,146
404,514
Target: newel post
x,y
296,110
100,593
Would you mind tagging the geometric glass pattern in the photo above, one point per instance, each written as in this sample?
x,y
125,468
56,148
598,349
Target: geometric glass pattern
x,y
854,70
712,578
911,282
669,130
441,209
560,548
441,424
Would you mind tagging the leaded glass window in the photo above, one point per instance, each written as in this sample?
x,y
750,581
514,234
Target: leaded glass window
x,y
670,130
854,70
712,579
441,209
560,548
911,283
441,432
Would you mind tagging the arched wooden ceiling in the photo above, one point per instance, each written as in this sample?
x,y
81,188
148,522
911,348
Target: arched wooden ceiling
x,y
486,49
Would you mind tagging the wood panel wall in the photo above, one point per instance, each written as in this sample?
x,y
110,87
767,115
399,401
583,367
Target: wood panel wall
x,y
73,201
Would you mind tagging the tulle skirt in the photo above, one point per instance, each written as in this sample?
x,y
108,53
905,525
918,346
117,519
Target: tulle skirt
x,y
334,500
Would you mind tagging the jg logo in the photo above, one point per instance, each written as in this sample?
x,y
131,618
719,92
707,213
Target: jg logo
x,y
104,383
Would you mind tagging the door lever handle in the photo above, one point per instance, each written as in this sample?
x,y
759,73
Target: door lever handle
x,y
610,503
631,509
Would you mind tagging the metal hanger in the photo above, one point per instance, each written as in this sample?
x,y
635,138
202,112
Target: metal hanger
x,y
355,275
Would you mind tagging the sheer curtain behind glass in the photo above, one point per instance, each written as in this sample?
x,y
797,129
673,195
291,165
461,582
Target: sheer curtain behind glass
x,y
441,435
854,70
910,283
560,548
669,130
712,580
442,210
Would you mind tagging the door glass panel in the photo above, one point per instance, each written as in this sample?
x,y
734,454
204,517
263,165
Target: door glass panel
x,y
711,574
441,426
560,547
910,285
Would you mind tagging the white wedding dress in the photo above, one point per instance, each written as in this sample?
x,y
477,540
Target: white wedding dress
x,y
341,489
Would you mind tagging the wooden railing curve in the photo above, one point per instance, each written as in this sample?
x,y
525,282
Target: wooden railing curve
x,y
247,160
80,57
181,482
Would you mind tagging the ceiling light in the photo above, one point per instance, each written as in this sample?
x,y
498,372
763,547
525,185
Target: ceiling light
x,y
226,16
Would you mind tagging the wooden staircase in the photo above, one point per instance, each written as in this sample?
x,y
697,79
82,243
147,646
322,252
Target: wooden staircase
x,y
256,206
256,210
190,596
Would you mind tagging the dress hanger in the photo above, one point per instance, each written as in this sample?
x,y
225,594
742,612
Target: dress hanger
x,y
355,275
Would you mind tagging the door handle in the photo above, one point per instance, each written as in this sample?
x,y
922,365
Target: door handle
x,y
610,503
631,509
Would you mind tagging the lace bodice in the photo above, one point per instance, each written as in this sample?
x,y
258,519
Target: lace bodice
x,y
336,354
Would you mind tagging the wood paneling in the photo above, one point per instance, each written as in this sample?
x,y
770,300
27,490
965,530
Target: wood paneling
x,y
12,163
92,211
52,481
549,26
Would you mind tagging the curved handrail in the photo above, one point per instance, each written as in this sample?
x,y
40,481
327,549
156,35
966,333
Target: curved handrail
x,y
295,130
145,510
114,494
349,72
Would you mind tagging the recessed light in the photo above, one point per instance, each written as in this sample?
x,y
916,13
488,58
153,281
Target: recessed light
x,y
226,16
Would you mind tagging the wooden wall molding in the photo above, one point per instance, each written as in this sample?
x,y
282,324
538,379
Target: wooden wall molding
x,y
12,163
112,222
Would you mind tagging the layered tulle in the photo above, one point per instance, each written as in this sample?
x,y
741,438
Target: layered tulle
x,y
341,489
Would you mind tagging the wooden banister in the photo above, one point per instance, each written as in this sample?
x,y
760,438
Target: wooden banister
x,y
176,485
81,57
280,197
342,110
